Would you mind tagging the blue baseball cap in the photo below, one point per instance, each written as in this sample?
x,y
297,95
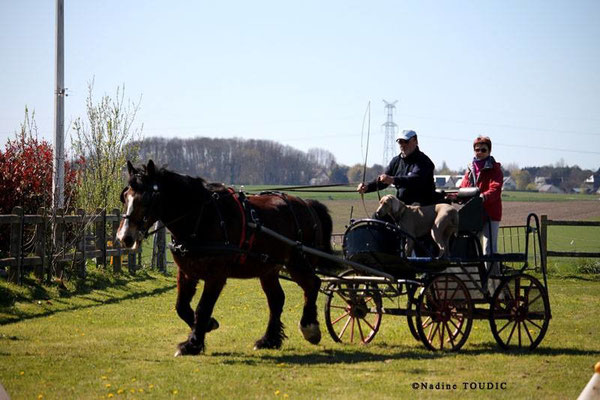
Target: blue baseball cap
x,y
406,135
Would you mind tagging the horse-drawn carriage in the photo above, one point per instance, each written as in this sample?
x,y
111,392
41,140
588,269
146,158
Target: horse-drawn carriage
x,y
442,295
218,233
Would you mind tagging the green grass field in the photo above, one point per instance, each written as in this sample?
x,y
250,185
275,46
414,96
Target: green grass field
x,y
348,193
113,336
116,339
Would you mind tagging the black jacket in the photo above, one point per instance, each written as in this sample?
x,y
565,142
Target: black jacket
x,y
413,178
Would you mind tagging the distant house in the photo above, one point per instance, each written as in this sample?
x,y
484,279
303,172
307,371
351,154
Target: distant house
x,y
509,183
550,189
593,182
321,178
441,181
447,181
541,180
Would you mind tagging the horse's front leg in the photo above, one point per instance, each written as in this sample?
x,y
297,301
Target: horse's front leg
x,y
186,288
203,322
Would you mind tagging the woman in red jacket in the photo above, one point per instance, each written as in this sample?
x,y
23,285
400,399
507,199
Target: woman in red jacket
x,y
485,173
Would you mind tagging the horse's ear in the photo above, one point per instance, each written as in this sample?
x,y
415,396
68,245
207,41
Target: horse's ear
x,y
130,168
151,168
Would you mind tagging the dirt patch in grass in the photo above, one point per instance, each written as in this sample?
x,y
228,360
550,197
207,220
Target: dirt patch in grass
x,y
515,213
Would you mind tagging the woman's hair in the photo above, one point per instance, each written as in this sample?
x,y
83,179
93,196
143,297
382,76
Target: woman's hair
x,y
483,140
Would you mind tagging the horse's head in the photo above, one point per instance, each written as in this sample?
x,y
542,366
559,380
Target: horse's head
x,y
141,198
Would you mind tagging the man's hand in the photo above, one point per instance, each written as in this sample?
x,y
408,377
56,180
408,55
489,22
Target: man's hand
x,y
388,180
361,188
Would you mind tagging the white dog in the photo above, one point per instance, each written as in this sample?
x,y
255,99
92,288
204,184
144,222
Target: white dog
x,y
439,219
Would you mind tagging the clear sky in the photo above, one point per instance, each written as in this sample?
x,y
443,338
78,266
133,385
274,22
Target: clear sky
x,y
526,73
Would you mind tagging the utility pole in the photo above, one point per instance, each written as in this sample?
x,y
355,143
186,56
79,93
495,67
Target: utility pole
x,y
389,147
58,164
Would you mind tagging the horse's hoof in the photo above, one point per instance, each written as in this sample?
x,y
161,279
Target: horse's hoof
x,y
311,332
188,349
213,324
266,344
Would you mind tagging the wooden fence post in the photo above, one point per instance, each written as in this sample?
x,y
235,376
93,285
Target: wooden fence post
x,y
100,233
16,230
115,228
131,261
58,242
81,261
544,241
159,249
40,245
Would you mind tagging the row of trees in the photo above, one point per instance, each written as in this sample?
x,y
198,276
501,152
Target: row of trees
x,y
239,161
107,136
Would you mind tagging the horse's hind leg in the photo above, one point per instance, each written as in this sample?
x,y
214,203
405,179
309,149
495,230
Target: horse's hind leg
x,y
274,335
195,342
305,277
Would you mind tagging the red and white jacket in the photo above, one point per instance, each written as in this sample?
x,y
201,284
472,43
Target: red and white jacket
x,y
489,182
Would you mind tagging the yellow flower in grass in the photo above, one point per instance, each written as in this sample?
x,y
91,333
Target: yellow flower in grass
x,y
40,396
131,390
277,392
104,377
151,386
110,395
120,391
22,373
108,385
133,379
175,391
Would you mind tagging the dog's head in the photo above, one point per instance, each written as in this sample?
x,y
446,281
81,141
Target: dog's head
x,y
390,205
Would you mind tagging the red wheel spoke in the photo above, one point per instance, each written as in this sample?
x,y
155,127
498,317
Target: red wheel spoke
x,y
458,328
345,327
434,332
442,336
454,293
450,335
340,317
427,322
362,336
367,322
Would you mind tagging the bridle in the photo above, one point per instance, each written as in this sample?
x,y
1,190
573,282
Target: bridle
x,y
149,200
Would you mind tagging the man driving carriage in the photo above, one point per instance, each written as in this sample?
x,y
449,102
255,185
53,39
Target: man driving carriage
x,y
411,172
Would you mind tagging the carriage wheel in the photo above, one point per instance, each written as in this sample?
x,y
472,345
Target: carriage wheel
x,y
353,311
444,313
520,313
411,306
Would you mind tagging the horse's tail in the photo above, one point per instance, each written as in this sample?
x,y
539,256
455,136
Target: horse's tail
x,y
324,242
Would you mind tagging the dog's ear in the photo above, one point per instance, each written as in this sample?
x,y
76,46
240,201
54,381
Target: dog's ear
x,y
398,206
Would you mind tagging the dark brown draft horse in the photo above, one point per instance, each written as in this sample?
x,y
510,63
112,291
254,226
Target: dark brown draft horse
x,y
213,242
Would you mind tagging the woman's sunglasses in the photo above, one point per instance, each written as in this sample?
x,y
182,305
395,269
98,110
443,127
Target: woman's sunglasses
x,y
481,150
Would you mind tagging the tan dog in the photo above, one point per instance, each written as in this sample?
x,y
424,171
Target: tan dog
x,y
439,219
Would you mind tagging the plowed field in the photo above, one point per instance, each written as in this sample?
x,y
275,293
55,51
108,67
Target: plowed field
x,y
514,213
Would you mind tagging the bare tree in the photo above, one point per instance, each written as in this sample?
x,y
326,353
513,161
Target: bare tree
x,y
104,140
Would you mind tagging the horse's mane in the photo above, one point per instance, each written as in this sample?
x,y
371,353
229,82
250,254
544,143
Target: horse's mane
x,y
165,175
